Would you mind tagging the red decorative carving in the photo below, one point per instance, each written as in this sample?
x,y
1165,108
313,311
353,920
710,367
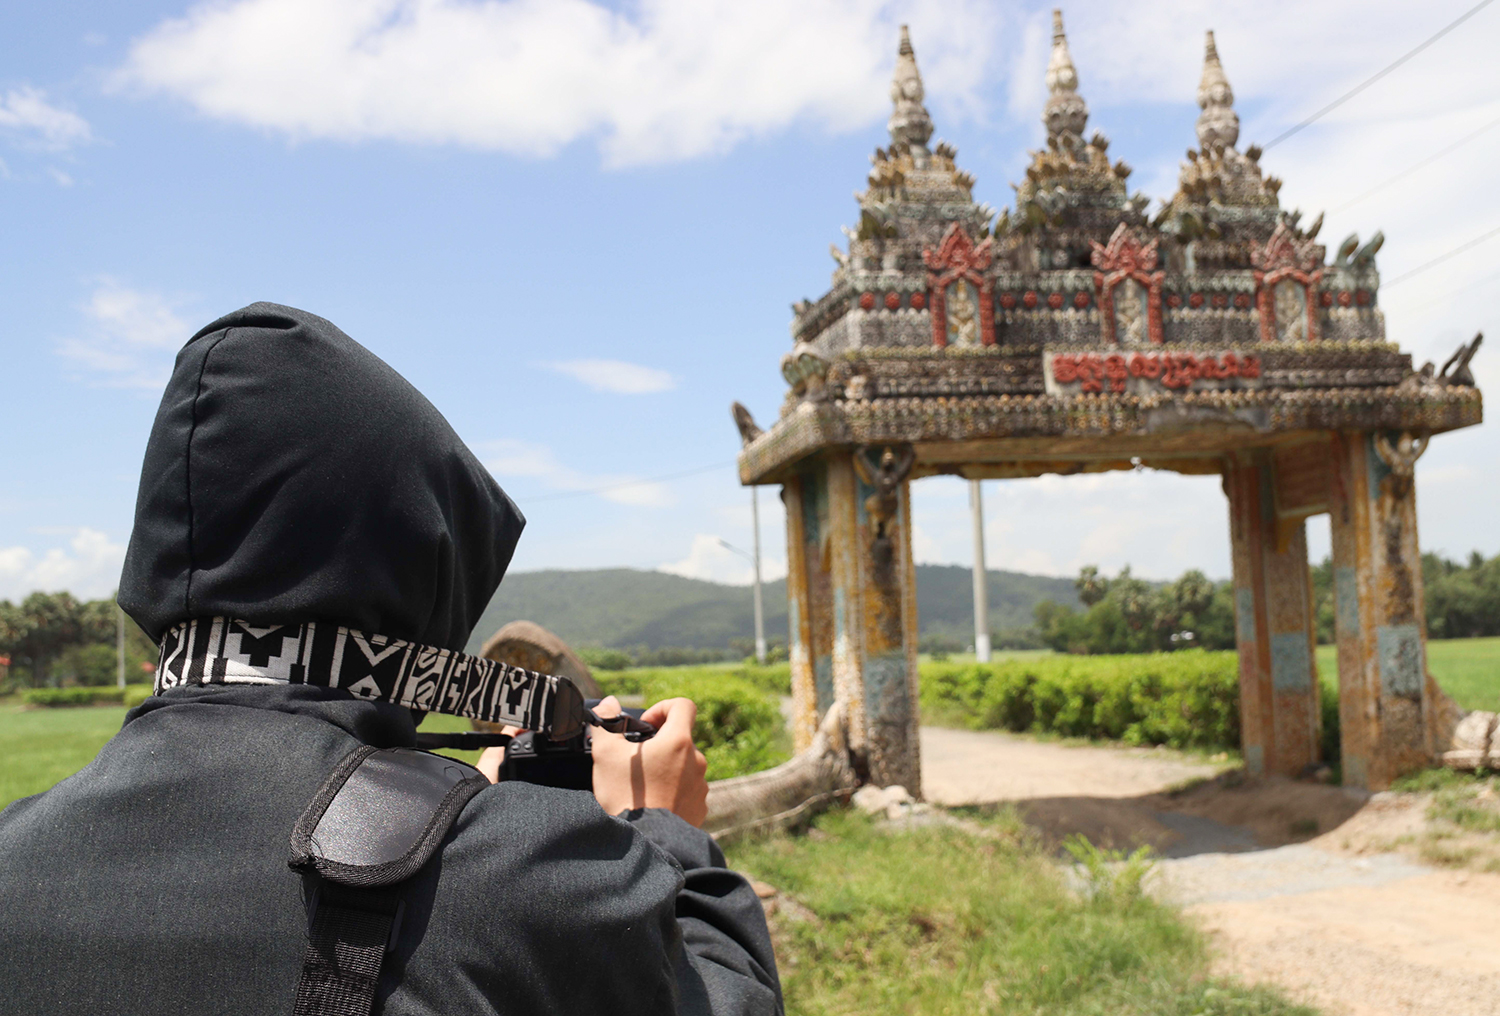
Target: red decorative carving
x,y
893,301
1285,256
1346,298
1361,296
918,301
1325,298
1242,300
1055,301
957,257
1221,300
1029,299
1174,301
867,301
1195,301
1008,301
1081,300
1125,257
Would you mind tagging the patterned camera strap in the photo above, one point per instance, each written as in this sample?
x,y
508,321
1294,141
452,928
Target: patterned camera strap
x,y
220,650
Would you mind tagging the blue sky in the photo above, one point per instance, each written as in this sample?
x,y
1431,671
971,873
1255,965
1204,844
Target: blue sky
x,y
578,228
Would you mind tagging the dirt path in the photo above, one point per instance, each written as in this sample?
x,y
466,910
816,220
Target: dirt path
x,y
1287,876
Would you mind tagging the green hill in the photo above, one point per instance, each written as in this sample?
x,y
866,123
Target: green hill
x,y
622,607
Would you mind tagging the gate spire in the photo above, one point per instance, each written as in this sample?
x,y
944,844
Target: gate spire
x,y
910,123
1065,112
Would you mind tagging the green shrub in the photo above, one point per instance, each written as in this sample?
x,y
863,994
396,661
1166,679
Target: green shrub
x,y
1185,699
58,697
605,659
739,727
135,694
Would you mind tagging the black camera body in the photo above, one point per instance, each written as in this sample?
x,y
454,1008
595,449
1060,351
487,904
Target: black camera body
x,y
533,757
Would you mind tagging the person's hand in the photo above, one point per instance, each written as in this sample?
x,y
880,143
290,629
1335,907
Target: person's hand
x,y
663,772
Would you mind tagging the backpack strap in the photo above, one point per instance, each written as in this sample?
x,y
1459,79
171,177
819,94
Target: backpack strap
x,y
374,823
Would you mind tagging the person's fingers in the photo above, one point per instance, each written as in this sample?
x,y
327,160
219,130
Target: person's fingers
x,y
673,716
489,763
607,707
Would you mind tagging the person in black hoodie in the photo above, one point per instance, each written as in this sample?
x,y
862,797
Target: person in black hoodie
x,y
294,486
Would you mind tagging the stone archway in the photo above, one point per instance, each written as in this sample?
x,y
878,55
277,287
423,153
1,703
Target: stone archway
x,y
1106,339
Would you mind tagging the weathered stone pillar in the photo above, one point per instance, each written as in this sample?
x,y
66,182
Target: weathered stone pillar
x,y
798,618
874,613
810,613
1391,715
1274,630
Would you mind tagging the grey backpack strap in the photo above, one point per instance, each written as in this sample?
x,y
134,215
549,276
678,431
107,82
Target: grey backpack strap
x,y
374,823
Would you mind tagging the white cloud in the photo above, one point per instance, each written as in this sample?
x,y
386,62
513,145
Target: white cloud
x,y
616,376
709,559
130,338
88,568
511,458
26,114
659,80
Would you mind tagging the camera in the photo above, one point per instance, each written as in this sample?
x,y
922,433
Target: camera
x,y
533,757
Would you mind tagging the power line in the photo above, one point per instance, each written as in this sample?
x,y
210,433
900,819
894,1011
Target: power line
x,y
1421,165
1336,103
1442,257
627,483
1454,292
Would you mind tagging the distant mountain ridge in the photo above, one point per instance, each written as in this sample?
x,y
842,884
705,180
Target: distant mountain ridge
x,y
625,607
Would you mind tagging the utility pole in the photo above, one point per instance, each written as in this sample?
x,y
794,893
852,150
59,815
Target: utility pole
x,y
119,646
760,613
754,559
981,590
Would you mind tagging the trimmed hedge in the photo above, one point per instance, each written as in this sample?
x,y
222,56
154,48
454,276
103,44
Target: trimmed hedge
x,y
774,678
1184,699
60,697
739,727
52,698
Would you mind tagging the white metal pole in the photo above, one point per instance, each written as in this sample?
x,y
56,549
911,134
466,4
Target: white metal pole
x,y
760,615
119,646
981,591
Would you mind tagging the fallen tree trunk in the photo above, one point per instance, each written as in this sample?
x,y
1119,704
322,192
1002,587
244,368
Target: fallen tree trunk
x,y
788,794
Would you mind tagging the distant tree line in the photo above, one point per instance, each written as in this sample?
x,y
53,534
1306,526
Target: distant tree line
x,y
739,649
1129,615
54,638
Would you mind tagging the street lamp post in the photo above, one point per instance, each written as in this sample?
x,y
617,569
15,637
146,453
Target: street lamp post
x,y
981,588
754,559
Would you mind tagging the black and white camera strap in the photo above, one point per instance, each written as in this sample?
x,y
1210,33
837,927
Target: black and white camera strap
x,y
221,650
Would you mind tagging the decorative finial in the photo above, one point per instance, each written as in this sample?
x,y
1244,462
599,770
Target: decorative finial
x,y
1065,111
909,121
1218,124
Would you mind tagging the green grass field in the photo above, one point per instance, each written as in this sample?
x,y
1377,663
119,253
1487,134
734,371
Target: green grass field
x,y
862,925
1467,669
38,747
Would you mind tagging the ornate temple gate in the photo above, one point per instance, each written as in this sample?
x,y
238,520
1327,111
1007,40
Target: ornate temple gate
x,y
1079,335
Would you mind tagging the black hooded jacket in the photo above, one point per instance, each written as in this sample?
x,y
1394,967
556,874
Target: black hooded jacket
x,y
292,476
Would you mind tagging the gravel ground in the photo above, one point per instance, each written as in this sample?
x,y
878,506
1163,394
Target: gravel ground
x,y
1332,920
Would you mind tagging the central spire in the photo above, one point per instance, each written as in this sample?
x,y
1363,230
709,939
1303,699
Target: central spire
x,y
1218,124
1065,112
910,123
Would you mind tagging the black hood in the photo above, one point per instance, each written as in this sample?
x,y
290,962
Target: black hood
x,y
293,476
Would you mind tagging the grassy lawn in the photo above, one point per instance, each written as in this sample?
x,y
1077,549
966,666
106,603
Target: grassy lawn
x,y
862,925
1467,669
39,747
